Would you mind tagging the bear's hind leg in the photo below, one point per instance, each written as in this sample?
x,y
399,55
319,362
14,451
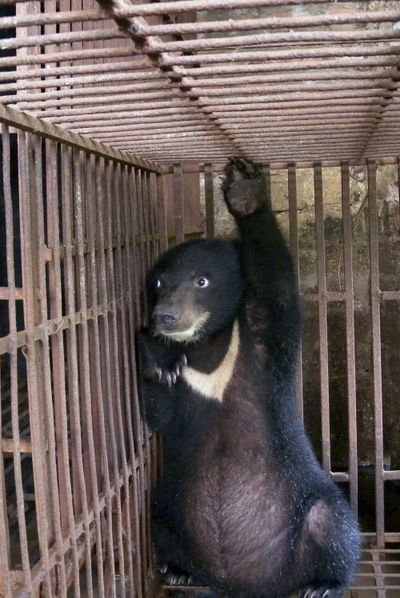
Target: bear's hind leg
x,y
171,556
328,550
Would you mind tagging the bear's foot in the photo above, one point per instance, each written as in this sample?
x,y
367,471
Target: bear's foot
x,y
323,592
244,187
168,376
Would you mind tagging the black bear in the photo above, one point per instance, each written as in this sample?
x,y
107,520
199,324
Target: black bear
x,y
243,506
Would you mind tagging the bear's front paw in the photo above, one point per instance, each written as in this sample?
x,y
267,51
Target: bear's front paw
x,y
244,187
168,376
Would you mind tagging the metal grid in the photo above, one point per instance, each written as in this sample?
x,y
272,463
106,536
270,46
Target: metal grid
x,y
77,462
275,80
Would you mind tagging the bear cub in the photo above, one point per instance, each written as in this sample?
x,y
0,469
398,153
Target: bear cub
x,y
243,506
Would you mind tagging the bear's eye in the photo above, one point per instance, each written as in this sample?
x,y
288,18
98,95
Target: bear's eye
x,y
202,282
158,284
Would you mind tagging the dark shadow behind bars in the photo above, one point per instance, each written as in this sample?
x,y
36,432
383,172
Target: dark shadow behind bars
x,y
308,88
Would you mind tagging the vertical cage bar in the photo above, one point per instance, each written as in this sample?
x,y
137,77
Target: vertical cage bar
x,y
294,248
179,204
140,435
34,370
398,186
54,306
153,203
146,469
104,339
132,404
144,208
350,336
124,387
79,484
323,318
5,577
4,524
100,442
80,198
376,353
38,207
162,217
138,226
58,361
113,360
209,199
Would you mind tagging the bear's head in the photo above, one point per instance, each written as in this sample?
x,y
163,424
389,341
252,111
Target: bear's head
x,y
195,290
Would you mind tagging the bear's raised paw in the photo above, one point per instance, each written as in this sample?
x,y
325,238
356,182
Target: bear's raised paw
x,y
244,187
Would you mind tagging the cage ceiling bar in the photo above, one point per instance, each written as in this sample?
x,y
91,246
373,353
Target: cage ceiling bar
x,y
211,79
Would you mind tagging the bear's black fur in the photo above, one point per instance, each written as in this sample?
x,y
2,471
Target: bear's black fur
x,y
243,505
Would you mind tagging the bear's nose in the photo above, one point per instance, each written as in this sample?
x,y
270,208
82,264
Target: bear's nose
x,y
166,317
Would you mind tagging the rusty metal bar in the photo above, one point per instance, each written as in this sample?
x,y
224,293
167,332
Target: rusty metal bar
x,y
307,65
59,38
103,130
134,11
183,107
132,26
95,99
175,107
58,362
287,96
376,354
81,505
137,80
350,336
335,74
102,355
189,5
30,256
79,71
294,247
16,440
209,199
263,39
133,411
166,131
146,88
112,360
123,388
162,216
72,55
36,148
142,206
179,204
271,23
323,318
25,122
141,437
294,53
91,384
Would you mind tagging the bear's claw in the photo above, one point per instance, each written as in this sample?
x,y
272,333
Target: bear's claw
x,y
170,376
322,592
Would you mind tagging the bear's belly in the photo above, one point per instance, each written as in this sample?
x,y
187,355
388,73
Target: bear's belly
x,y
237,518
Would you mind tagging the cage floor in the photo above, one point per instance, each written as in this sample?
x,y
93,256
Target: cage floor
x,y
378,577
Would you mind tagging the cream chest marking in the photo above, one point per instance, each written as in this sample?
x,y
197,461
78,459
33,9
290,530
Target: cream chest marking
x,y
213,385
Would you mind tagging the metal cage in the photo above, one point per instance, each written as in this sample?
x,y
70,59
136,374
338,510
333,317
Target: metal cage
x,y
308,88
